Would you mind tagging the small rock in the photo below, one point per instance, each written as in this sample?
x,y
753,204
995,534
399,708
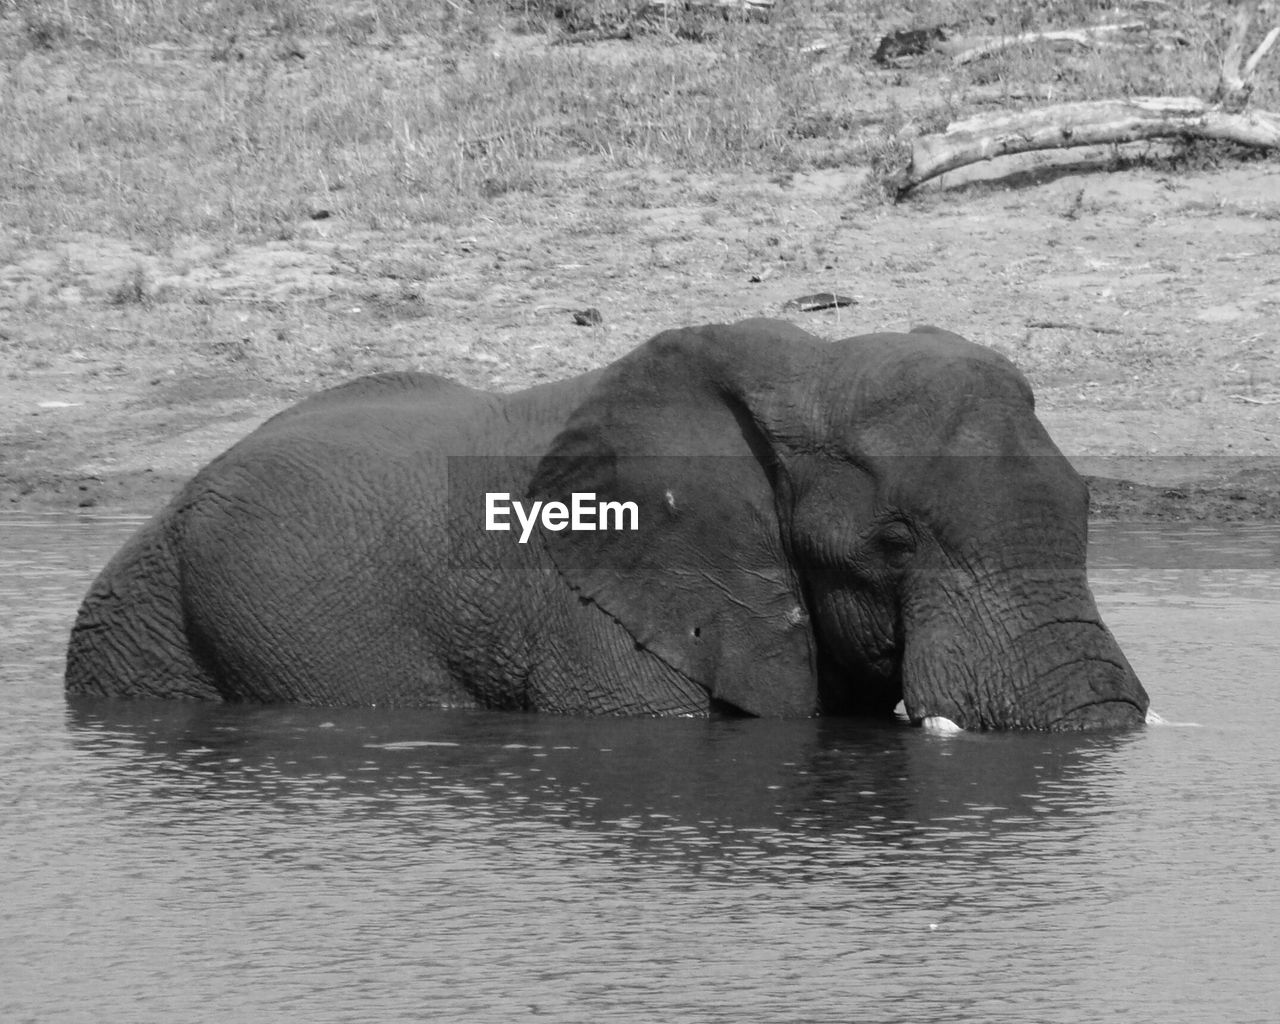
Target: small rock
x,y
818,301
587,317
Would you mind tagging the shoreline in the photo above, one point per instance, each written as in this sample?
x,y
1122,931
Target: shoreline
x,y
1254,496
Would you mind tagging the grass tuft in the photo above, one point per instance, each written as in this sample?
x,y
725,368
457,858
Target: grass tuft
x,y
134,290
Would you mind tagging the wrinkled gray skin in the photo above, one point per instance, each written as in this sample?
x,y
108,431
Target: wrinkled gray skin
x,y
824,528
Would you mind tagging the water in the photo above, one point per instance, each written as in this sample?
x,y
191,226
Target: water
x,y
178,863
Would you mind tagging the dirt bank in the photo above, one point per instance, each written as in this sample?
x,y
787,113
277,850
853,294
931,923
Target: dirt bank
x,y
1142,303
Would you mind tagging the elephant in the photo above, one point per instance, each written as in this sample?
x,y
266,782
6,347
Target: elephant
x,y
730,519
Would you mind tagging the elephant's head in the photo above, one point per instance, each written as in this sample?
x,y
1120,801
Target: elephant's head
x,y
836,527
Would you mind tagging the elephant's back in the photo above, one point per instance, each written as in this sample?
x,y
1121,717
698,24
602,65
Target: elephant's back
x,y
430,414
384,405
389,445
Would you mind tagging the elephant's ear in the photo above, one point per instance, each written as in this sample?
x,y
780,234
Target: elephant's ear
x,y
703,581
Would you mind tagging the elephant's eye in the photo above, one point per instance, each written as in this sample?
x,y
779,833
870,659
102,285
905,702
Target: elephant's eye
x,y
896,543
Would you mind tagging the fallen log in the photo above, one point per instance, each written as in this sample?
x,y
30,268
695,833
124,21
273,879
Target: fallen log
x,y
1093,123
966,51
1108,122
960,50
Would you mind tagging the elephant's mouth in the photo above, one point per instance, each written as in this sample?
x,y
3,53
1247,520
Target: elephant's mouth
x,y
871,686
1104,714
1063,677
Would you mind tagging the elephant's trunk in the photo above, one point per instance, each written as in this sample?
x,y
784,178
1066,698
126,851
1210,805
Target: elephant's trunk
x,y
1052,668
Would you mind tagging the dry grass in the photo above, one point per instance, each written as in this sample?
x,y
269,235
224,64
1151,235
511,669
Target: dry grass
x,y
156,121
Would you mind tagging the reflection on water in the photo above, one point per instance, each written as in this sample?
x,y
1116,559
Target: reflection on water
x,y
712,795
191,862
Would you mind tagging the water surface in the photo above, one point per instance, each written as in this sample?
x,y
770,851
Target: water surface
x,y
170,862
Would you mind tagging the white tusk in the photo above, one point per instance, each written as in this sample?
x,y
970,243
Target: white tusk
x,y
1154,719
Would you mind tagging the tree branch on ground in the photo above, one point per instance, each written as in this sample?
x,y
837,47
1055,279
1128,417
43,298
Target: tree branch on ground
x,y
968,49
1107,122
1098,122
1234,85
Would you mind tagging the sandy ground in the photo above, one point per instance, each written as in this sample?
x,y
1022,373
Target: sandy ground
x,y
1142,303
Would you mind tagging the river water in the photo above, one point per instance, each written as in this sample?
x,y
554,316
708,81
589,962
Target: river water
x,y
177,863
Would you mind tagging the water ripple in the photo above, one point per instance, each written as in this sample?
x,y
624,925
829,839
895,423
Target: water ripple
x,y
177,862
